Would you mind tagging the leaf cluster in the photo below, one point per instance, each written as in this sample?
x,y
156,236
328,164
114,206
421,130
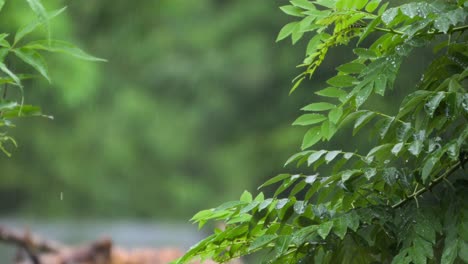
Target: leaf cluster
x,y
404,200
17,49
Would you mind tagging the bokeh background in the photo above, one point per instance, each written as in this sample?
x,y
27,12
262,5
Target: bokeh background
x,y
191,109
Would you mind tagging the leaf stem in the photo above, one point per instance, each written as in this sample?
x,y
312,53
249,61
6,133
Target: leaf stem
x,y
434,182
455,29
389,30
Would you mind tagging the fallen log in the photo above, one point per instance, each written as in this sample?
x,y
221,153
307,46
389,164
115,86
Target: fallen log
x,y
33,249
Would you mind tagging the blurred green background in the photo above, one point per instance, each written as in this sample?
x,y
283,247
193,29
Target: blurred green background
x,y
191,109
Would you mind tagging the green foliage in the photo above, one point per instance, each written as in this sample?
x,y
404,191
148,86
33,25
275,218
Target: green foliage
x,y
14,51
404,201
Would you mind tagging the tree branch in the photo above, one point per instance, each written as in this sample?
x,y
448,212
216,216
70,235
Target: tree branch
x,y
434,182
453,30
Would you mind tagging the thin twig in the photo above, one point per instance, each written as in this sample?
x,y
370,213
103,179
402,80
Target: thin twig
x,y
453,30
437,180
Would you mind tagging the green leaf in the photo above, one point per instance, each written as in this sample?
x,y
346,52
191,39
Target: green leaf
x,y
298,82
275,179
397,148
348,155
306,24
265,204
433,103
447,19
331,92
417,254
282,245
61,47
261,241
249,207
403,132
282,203
390,175
22,32
380,84
286,31
365,53
4,43
202,215
369,29
300,206
315,156
309,119
427,168
362,121
341,81
346,4
318,107
292,10
455,86
7,105
296,34
315,43
286,184
228,205
416,147
297,156
340,227
389,15
359,4
463,250
328,129
23,110
341,224
299,187
34,59
303,234
372,5
246,197
326,3
2,2
332,155
335,115
5,69
450,252
363,94
378,149
347,174
305,4
311,137
324,229
370,173
411,101
386,124
39,10
352,67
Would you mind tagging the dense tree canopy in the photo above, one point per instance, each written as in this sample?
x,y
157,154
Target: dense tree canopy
x,y
401,200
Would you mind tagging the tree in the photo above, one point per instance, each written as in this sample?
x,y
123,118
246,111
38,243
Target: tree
x,y
405,200
19,49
